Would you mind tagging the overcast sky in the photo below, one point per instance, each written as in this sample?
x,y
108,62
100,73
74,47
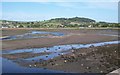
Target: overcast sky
x,y
35,11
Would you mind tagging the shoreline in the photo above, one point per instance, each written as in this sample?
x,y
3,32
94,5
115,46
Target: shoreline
x,y
90,60
102,59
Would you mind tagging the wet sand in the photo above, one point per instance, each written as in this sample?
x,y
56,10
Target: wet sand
x,y
23,55
103,59
74,36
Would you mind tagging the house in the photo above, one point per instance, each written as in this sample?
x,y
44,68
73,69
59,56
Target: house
x,y
4,27
90,26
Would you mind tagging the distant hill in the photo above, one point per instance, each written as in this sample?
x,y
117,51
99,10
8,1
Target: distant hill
x,y
74,19
56,23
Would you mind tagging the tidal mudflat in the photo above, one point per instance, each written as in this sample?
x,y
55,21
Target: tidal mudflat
x,y
61,50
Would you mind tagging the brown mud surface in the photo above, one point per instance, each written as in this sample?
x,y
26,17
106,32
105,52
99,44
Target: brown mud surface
x,y
103,59
73,36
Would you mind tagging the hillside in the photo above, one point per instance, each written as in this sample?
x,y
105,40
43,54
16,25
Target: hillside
x,y
57,23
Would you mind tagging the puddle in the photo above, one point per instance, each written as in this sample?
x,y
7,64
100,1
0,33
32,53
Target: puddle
x,y
56,50
41,34
33,34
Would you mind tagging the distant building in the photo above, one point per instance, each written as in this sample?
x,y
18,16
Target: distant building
x,y
4,27
61,26
90,26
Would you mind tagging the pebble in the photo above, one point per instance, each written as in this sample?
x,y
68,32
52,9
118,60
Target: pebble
x,y
46,56
58,47
73,51
35,65
56,64
87,67
97,67
61,53
101,71
65,61
81,64
47,48
30,65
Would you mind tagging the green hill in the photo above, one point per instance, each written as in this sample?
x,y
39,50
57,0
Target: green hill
x,y
57,23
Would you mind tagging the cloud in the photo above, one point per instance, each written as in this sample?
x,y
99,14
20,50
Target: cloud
x,y
82,5
24,16
104,5
87,9
107,4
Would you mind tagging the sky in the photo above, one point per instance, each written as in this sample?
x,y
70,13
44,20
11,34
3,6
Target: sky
x,y
38,11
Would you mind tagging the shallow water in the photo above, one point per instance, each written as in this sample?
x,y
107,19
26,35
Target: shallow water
x,y
31,35
50,56
1,65
16,68
55,50
45,34
69,47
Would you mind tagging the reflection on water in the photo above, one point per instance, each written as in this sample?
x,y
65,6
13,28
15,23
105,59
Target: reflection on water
x,y
42,34
50,56
68,47
10,67
33,34
56,50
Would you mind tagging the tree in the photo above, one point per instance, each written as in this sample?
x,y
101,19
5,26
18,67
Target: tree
x,y
21,26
